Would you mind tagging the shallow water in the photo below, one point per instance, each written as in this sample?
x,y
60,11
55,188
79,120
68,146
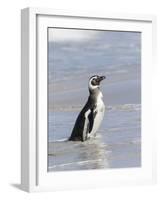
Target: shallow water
x,y
117,144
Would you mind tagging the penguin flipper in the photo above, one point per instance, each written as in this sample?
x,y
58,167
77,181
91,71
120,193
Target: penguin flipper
x,y
84,124
91,118
80,129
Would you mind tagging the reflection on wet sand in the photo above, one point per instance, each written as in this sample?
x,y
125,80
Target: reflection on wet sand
x,y
91,154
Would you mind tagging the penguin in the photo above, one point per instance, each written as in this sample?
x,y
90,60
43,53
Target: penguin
x,y
91,116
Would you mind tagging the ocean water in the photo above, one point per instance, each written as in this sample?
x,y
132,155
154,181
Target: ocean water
x,y
117,55
110,52
71,62
117,144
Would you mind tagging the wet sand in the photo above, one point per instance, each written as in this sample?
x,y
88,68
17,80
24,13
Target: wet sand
x,y
117,144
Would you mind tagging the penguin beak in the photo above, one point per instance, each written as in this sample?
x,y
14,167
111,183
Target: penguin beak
x,y
101,78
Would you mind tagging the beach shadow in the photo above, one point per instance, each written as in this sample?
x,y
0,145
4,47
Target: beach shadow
x,y
17,186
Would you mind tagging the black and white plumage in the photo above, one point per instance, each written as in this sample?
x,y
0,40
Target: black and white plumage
x,y
90,117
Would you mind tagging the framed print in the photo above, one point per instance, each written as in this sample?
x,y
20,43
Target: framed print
x,y
86,99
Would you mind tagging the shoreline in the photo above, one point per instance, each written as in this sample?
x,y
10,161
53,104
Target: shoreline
x,y
68,108
125,92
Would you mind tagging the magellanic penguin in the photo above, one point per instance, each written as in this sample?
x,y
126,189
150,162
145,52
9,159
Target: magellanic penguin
x,y
90,117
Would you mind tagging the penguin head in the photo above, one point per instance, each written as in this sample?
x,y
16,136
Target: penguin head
x,y
94,81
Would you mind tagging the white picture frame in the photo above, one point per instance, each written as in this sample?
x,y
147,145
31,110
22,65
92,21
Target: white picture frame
x,y
34,175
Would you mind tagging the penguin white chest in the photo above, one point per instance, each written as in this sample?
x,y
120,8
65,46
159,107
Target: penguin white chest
x,y
100,108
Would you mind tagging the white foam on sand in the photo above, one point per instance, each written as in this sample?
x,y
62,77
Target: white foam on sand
x,y
75,163
61,140
123,107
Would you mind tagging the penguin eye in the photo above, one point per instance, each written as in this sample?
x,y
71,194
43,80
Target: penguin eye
x,y
94,81
95,78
